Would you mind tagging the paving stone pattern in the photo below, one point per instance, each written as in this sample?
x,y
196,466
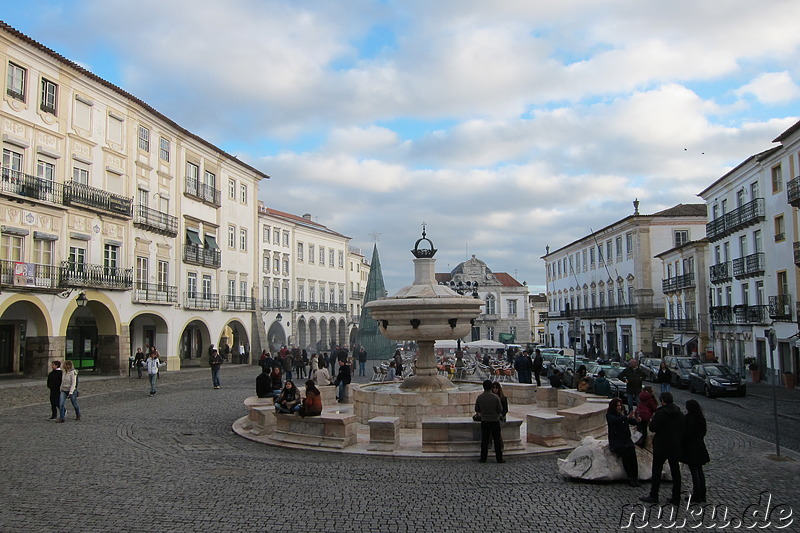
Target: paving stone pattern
x,y
172,463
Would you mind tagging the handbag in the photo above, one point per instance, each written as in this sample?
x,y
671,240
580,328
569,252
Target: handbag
x,y
636,436
476,417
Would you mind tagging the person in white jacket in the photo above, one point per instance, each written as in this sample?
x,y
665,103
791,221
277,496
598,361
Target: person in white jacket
x,y
69,382
153,364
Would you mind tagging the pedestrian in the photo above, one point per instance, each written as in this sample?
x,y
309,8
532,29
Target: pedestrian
x,y
555,379
241,354
297,363
633,376
645,411
138,361
695,453
488,408
288,401
538,362
523,365
305,363
68,389
601,385
619,438
668,426
153,364
226,351
322,377
398,362
276,379
215,362
362,361
498,390
343,379
312,404
581,379
391,374
54,384
664,377
288,364
263,384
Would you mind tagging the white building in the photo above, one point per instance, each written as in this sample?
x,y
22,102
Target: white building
x,y
604,290
358,274
537,304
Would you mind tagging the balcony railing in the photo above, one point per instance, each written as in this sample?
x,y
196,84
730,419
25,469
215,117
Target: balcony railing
x,y
238,303
722,314
17,275
87,196
198,255
323,306
155,293
96,276
793,192
302,306
313,306
797,254
681,324
196,300
677,283
205,193
750,314
155,221
720,272
780,307
615,311
749,265
20,184
276,304
356,295
739,218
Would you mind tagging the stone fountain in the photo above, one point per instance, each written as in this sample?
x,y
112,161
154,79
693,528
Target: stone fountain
x,y
423,312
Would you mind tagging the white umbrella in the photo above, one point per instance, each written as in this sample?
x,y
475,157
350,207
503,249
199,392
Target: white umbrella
x,y
486,344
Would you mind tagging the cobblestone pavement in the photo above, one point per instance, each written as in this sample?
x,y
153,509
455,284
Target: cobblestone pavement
x,y
172,463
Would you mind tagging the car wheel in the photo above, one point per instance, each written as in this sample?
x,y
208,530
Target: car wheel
x,y
708,392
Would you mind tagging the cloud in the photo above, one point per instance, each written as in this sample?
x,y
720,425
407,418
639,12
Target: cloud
x,y
771,88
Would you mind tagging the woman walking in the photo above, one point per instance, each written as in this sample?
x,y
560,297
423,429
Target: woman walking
x,y
69,385
695,453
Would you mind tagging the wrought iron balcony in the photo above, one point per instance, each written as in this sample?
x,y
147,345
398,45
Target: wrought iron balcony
x,y
198,255
677,283
155,221
313,306
750,314
276,304
205,193
797,254
780,307
323,306
155,293
96,199
793,192
749,265
17,183
302,306
196,300
681,324
722,314
356,295
238,303
616,311
739,218
30,276
720,272
96,276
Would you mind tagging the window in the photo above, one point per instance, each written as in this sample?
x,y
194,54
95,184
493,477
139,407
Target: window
x,y
681,237
231,236
286,239
777,179
276,264
243,193
619,248
276,236
43,251
80,174
77,258
16,81
490,305
285,266
206,287
754,192
331,256
163,275
609,250
11,247
311,253
512,308
629,242
740,197
265,233
142,267
599,254
191,285
231,287
745,294
45,170
312,294
232,189
321,255
591,256
299,251
760,300
12,164
783,283
193,173
490,333
243,289
341,259
577,261
111,258
758,247
585,264
163,149
144,138
49,96
743,250
780,229
243,239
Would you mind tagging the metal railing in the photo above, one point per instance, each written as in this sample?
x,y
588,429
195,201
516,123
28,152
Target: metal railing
x,y
797,253
741,217
155,293
750,314
198,255
677,283
35,276
720,272
302,306
681,324
201,191
616,311
97,276
238,303
155,221
748,265
793,192
87,196
356,295
277,304
721,314
196,300
780,307
21,184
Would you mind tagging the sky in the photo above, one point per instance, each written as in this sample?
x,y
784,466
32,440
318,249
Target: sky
x,y
504,126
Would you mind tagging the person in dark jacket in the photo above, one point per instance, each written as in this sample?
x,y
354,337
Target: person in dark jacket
x,y
215,362
555,380
538,362
276,378
664,377
264,384
695,453
601,385
668,426
523,365
54,384
619,438
633,376
489,407
343,379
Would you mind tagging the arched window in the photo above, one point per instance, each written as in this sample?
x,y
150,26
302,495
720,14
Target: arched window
x,y
491,307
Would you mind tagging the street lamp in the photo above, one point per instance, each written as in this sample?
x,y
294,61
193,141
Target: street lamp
x,y
278,317
82,300
770,335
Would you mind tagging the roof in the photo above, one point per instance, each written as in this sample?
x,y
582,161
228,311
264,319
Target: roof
x,y
299,220
505,279
79,69
688,244
753,158
792,129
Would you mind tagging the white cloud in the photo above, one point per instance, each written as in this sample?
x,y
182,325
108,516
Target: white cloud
x,y
772,88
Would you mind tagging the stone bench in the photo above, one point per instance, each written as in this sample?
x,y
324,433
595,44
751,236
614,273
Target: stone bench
x,y
520,393
327,393
571,398
547,396
384,433
329,430
260,415
544,429
462,434
588,419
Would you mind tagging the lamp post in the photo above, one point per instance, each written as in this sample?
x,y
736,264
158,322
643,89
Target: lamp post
x,y
770,335
82,300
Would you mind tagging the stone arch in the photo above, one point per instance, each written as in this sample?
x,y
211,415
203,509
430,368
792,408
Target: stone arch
x,y
276,337
237,337
94,337
302,333
312,335
26,344
194,341
334,338
343,331
149,328
323,335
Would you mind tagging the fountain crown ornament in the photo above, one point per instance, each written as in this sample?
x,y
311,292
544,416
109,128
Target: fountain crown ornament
x,y
420,253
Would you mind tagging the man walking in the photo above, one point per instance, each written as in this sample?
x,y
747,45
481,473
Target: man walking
x,y
489,407
362,361
215,361
668,426
633,376
54,384
523,365
538,362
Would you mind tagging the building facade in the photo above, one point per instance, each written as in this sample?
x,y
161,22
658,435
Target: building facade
x,y
358,274
537,304
604,290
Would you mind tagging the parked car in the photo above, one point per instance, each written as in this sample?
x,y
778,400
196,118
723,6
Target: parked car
x,y
715,379
650,365
550,354
618,387
680,368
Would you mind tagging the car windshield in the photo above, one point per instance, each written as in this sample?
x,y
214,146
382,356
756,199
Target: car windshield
x,y
719,370
613,371
687,363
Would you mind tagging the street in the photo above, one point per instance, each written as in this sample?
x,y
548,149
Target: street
x,y
172,463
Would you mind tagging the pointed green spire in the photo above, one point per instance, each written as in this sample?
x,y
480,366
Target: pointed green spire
x,y
376,345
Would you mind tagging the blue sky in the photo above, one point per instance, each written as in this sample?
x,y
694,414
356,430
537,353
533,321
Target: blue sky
x,y
505,126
